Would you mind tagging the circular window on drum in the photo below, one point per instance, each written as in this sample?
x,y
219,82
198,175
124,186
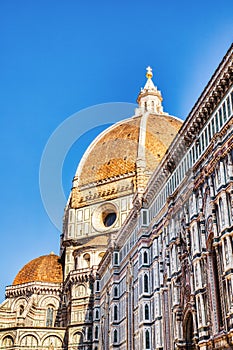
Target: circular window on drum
x,y
104,217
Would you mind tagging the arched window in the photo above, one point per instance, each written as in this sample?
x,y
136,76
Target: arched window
x,y
188,332
49,316
145,258
52,341
115,292
90,315
96,332
146,283
116,260
89,333
115,313
29,341
80,290
97,314
147,339
8,341
115,336
153,105
146,309
78,338
97,286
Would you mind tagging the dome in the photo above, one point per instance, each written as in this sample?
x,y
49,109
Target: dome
x,y
119,145
46,268
122,158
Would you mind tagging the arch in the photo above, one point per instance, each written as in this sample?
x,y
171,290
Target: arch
x,y
47,300
7,341
77,338
17,304
101,254
29,340
80,290
189,331
52,340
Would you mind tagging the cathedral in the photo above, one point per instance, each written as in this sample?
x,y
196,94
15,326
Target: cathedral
x,y
146,252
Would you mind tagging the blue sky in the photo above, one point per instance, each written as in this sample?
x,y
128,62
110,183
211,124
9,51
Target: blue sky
x,y
58,57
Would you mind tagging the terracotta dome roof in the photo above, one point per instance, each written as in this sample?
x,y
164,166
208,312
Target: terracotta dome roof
x,y
46,268
115,151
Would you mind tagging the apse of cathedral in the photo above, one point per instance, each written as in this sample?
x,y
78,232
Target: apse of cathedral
x,y
146,251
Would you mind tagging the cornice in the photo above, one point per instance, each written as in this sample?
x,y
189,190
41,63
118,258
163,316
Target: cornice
x,y
80,276
106,181
104,191
27,289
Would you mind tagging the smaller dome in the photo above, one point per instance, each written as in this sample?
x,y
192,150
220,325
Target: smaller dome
x,y
46,268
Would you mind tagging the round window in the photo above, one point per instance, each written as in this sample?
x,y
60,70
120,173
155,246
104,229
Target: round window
x,y
104,217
